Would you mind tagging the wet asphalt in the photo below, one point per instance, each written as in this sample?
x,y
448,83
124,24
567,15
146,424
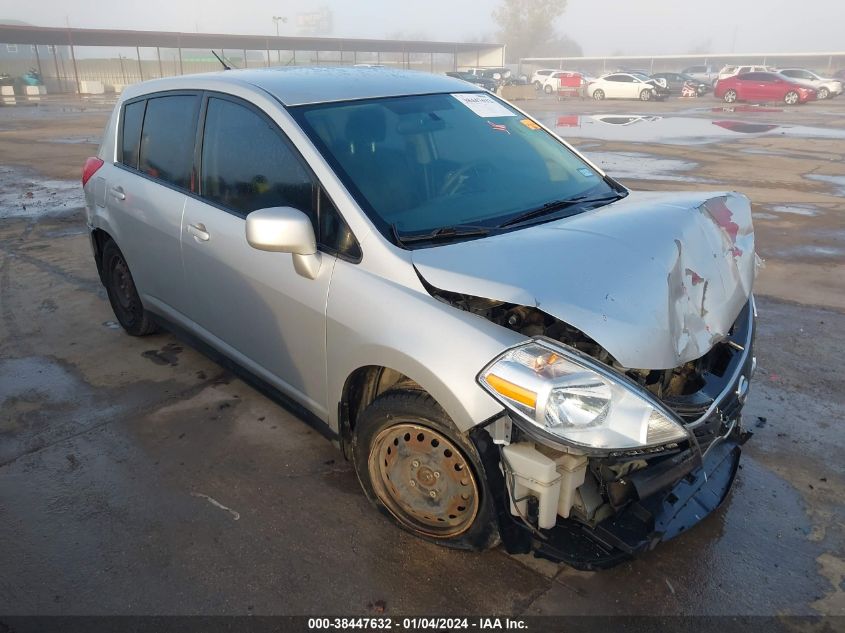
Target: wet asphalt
x,y
139,477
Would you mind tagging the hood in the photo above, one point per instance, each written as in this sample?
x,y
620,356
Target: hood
x,y
655,278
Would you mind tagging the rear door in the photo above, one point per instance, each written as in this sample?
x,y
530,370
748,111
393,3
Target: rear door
x,y
252,303
146,194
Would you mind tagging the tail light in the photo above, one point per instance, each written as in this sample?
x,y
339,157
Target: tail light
x,y
90,168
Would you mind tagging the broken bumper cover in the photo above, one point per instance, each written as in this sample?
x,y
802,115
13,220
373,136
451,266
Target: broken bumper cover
x,y
643,524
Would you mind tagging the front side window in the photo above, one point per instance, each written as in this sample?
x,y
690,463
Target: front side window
x,y
247,165
167,139
419,163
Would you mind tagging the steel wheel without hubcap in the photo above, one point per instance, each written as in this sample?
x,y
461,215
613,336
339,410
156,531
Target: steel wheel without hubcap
x,y
791,97
424,480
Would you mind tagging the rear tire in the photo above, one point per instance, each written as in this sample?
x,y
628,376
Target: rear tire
x,y
730,96
598,95
123,295
547,89
421,473
538,85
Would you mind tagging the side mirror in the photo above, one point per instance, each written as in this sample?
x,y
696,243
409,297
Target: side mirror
x,y
285,230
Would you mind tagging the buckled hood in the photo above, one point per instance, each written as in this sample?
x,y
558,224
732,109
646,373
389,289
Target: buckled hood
x,y
655,278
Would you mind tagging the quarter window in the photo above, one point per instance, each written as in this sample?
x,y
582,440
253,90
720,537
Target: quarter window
x,y
167,139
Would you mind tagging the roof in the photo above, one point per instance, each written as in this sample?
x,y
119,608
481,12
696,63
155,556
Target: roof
x,y
300,85
27,34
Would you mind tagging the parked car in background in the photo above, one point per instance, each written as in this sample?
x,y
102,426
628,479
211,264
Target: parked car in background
x,y
538,77
763,86
554,82
477,80
676,81
499,74
732,71
626,86
505,343
824,86
705,73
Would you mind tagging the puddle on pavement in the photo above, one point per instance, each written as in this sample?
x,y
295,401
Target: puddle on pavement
x,y
795,209
25,196
36,379
639,166
673,130
809,251
839,181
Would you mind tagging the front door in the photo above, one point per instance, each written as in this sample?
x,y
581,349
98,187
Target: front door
x,y
250,303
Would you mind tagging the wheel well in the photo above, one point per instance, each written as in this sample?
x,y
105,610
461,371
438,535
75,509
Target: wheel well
x,y
99,238
363,386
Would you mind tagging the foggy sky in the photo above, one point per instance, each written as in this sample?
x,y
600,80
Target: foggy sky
x,y
601,27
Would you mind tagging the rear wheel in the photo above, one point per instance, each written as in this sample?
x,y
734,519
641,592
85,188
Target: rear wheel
x,y
598,95
547,89
824,93
123,295
730,96
791,98
417,470
537,85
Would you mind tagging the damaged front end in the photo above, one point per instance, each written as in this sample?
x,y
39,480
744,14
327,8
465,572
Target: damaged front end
x,y
593,507
622,425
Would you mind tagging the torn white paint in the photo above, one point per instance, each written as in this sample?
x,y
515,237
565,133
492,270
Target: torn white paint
x,y
217,504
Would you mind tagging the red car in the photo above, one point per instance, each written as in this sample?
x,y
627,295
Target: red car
x,y
763,86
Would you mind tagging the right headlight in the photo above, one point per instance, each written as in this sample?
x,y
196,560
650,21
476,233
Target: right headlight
x,y
575,400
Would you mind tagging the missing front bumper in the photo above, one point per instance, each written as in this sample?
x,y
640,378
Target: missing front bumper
x,y
645,523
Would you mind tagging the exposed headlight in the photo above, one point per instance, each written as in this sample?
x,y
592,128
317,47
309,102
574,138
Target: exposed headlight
x,y
575,400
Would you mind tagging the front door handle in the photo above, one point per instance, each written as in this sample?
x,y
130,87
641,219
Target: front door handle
x,y
199,232
117,192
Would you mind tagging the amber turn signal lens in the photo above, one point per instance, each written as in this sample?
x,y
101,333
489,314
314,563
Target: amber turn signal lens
x,y
512,391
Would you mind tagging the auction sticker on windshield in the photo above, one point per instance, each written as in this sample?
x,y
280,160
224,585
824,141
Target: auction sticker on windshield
x,y
483,105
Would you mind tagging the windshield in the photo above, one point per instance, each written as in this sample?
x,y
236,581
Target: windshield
x,y
420,163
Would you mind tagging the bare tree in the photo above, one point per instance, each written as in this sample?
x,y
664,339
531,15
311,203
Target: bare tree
x,y
526,26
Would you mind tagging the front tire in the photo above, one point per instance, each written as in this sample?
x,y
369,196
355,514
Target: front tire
x,y
730,96
790,98
823,93
421,473
598,95
646,95
123,296
547,89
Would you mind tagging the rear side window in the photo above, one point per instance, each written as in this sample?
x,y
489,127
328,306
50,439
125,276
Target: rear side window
x,y
167,139
133,118
246,165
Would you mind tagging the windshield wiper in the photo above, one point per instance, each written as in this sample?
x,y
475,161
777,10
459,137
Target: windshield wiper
x,y
557,205
440,233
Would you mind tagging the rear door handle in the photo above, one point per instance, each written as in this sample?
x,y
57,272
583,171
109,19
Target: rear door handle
x,y
199,232
117,192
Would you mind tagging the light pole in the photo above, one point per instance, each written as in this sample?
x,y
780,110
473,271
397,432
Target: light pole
x,y
277,19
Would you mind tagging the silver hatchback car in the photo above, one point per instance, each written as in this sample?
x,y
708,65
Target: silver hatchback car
x,y
507,343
